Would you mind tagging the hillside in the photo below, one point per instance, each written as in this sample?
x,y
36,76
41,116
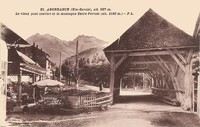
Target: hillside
x,y
92,55
53,46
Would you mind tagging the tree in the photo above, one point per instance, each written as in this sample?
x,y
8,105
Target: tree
x,y
57,72
67,71
96,74
98,71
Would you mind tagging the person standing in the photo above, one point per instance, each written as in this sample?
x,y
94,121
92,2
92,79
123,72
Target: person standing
x,y
100,86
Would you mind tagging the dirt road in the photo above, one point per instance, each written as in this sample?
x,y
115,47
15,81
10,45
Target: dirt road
x,y
144,111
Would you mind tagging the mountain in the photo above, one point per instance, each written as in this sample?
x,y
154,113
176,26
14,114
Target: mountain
x,y
53,45
93,56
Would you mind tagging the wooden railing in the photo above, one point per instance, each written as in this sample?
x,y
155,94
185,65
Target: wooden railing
x,y
167,90
92,101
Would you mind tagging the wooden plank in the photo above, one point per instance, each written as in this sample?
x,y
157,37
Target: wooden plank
x,y
168,90
164,81
148,62
150,71
108,97
165,69
28,70
163,62
175,51
188,80
150,75
156,81
168,101
160,70
150,49
152,53
148,66
122,70
139,68
189,57
177,60
167,78
120,61
178,88
174,85
147,75
176,70
147,53
103,102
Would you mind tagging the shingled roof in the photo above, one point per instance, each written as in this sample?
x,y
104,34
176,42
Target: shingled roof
x,y
197,27
15,56
11,37
151,31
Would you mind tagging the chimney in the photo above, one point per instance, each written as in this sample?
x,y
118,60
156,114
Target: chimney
x,y
41,49
34,44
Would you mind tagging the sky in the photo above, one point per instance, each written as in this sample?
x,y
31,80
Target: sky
x,y
181,13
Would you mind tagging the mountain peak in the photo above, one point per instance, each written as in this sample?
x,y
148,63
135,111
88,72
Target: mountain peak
x,y
53,45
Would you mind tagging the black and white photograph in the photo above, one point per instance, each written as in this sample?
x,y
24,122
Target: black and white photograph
x,y
98,63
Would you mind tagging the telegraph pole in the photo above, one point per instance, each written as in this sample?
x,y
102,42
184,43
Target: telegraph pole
x,y
60,67
76,66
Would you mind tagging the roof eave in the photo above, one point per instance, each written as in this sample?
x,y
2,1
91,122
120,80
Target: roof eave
x,y
150,49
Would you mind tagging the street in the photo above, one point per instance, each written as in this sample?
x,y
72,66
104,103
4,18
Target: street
x,y
138,111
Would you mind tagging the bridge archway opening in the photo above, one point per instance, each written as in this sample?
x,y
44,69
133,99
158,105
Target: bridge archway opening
x,y
135,84
168,73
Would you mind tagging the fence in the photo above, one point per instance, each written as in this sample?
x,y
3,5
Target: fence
x,y
90,101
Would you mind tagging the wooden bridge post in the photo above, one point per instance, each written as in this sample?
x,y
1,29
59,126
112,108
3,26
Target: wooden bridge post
x,y
189,81
112,74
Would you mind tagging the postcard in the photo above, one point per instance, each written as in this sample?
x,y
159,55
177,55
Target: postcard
x,y
98,63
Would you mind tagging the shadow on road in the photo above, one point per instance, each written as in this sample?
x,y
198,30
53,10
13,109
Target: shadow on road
x,y
138,99
143,103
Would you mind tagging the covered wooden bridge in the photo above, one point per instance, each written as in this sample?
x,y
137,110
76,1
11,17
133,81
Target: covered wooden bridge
x,y
160,50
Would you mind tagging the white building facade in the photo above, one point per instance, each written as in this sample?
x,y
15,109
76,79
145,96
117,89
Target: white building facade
x,y
3,79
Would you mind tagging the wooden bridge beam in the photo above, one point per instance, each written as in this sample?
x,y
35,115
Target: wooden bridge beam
x,y
162,65
148,62
148,53
122,70
177,60
175,51
171,73
189,57
120,61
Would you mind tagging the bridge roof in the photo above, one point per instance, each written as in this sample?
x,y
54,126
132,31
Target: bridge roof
x,y
151,31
